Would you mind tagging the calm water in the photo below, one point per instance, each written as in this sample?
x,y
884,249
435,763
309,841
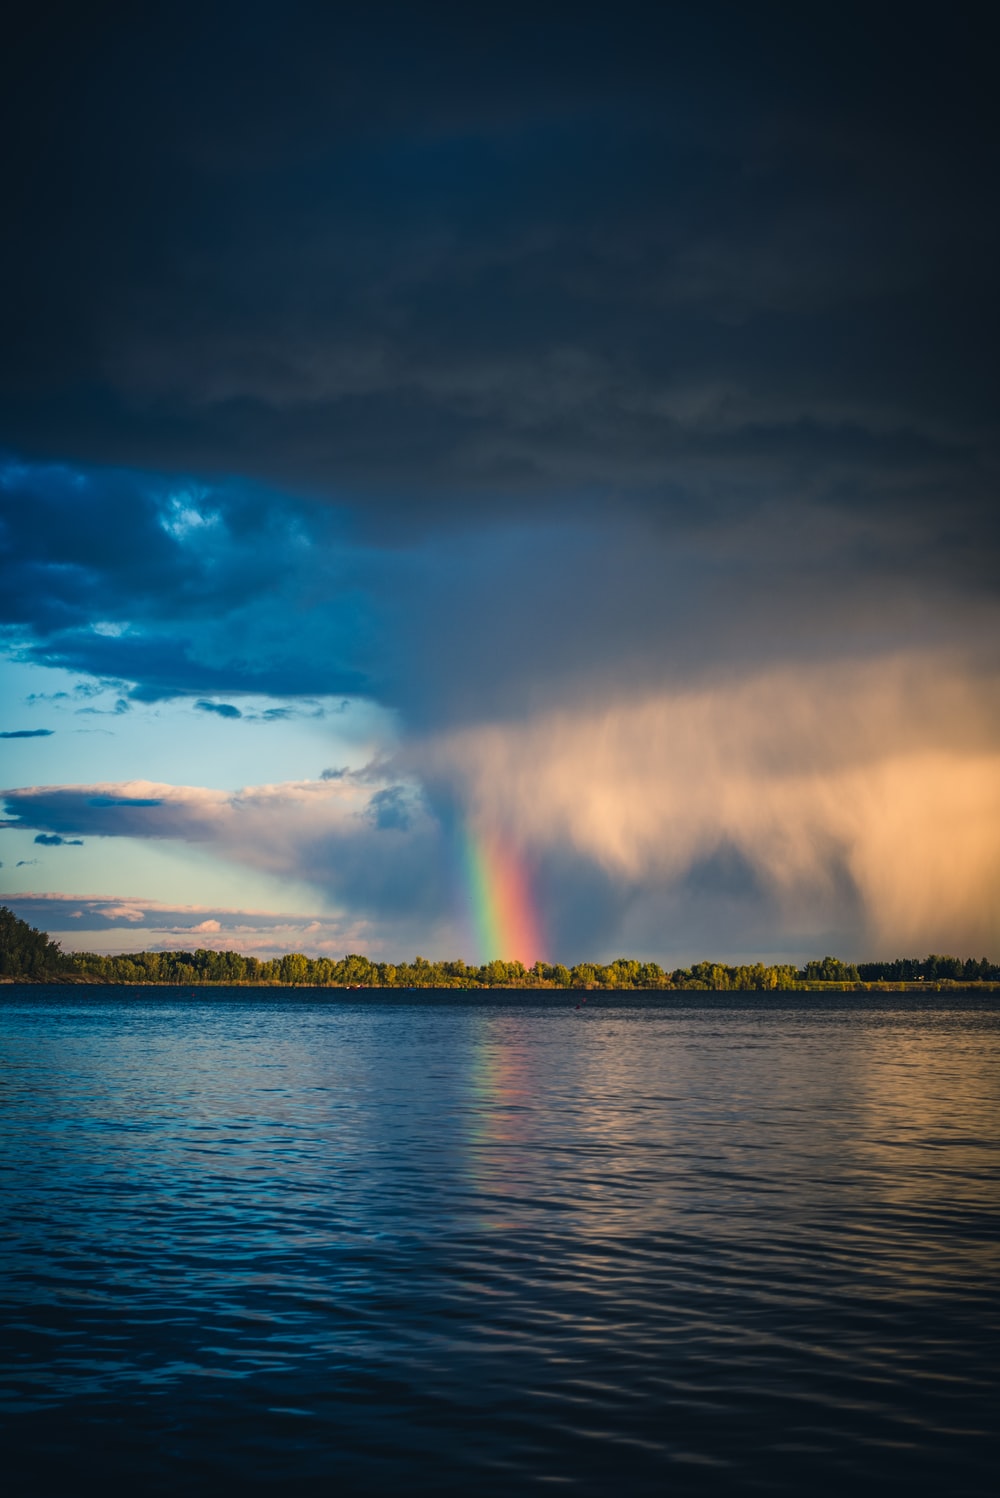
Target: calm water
x,y
323,1245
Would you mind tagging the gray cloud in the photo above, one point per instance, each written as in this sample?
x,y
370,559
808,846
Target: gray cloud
x,y
114,924
223,709
328,834
28,733
678,261
390,809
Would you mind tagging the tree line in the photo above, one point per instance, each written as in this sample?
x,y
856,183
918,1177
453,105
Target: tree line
x,y
28,953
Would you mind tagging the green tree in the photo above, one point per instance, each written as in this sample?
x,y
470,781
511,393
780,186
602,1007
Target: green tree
x,y
294,968
831,970
622,973
26,952
584,975
356,971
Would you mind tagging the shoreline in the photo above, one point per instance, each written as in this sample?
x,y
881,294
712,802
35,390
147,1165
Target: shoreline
x,y
940,985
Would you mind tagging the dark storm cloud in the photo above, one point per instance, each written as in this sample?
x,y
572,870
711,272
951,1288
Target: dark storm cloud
x,y
53,840
622,338
549,371
220,590
175,588
443,266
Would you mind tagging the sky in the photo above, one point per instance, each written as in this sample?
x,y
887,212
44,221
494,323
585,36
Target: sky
x,y
501,477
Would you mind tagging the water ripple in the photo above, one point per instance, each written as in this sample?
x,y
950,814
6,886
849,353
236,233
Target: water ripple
x,y
722,1249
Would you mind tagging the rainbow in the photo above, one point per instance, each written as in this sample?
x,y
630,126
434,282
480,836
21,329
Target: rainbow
x,y
500,898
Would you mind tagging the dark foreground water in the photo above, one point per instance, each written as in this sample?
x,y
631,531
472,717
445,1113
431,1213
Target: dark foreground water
x,y
326,1246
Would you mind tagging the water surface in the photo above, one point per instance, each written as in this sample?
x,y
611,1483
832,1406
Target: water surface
x,y
652,1246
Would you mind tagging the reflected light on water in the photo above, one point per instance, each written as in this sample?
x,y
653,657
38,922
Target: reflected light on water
x,y
747,1246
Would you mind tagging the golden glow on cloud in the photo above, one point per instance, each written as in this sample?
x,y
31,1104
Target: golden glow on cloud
x,y
861,798
887,772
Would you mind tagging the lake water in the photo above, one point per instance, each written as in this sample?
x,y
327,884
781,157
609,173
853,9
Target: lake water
x,y
360,1245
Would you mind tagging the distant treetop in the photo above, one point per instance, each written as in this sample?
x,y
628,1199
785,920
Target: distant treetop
x,y
27,953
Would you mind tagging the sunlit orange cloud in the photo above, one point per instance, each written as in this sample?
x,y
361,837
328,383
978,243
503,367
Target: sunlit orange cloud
x,y
864,797
889,769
